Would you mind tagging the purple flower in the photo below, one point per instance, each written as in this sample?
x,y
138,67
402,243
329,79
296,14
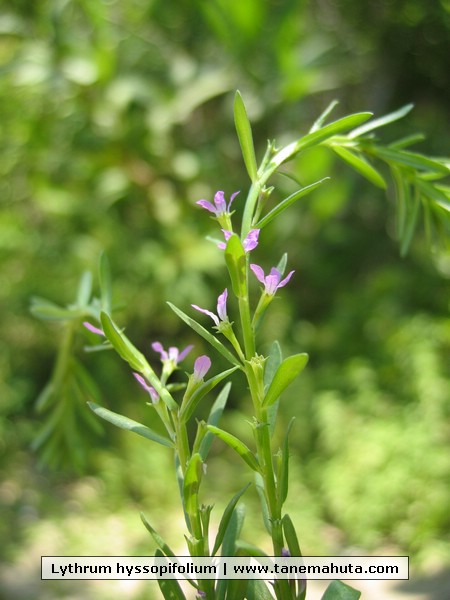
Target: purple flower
x,y
173,355
201,367
221,309
250,242
273,281
219,207
94,329
148,388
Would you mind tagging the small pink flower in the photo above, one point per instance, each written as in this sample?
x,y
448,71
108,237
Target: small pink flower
x,y
219,207
148,388
272,281
250,242
94,329
173,354
221,309
201,367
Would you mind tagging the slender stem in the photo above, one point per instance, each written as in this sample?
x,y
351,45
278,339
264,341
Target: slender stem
x,y
247,329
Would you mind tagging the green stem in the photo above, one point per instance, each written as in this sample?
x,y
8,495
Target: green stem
x,y
246,324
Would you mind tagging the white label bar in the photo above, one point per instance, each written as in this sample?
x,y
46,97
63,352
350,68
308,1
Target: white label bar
x,y
225,567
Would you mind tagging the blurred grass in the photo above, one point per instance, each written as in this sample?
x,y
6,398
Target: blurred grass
x,y
116,119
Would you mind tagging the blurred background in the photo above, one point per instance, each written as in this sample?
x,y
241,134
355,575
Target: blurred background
x,y
116,118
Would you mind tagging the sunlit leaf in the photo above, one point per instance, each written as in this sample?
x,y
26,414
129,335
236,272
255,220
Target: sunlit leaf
x,y
105,283
170,588
283,473
191,483
205,388
122,344
411,159
288,202
84,289
213,419
318,123
289,369
273,361
229,546
129,424
360,165
244,133
244,452
381,121
226,517
209,337
236,264
316,137
46,310
158,539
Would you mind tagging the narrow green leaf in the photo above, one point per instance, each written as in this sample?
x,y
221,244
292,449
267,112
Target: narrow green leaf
x,y
272,364
287,202
105,283
248,549
360,165
263,502
289,369
205,388
84,289
48,311
244,452
283,474
290,536
411,224
170,588
237,589
157,538
191,483
257,590
273,361
236,265
318,123
129,424
409,140
244,133
340,591
316,137
403,197
381,121
410,159
434,193
229,546
205,334
45,397
122,344
225,520
213,419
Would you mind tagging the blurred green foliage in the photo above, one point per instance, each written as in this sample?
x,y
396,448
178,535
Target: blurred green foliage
x,y
117,117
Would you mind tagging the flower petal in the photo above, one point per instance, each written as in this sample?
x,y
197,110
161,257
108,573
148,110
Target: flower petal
x,y
207,205
251,241
207,312
257,270
286,279
185,352
201,366
222,305
233,196
272,281
157,347
94,329
219,201
148,388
